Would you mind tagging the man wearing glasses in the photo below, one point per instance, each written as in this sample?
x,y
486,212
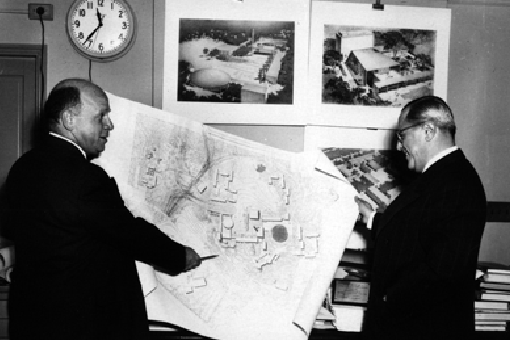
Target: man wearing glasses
x,y
427,240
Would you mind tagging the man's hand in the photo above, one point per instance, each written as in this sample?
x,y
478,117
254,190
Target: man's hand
x,y
365,209
192,259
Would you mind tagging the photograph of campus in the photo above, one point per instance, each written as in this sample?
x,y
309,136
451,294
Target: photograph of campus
x,y
377,67
378,175
236,61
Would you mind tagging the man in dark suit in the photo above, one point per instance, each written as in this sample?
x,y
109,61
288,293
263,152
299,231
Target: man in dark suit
x,y
427,240
76,242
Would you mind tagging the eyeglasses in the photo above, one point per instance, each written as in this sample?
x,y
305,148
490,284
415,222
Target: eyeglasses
x,y
400,133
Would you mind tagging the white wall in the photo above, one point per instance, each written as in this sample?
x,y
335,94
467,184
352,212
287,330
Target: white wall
x,y
129,77
478,91
479,94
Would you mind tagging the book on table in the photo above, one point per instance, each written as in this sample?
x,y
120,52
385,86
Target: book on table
x,y
495,286
485,304
493,295
496,277
490,326
491,323
493,272
492,315
498,271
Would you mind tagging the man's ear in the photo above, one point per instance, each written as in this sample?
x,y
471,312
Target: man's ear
x,y
430,131
68,120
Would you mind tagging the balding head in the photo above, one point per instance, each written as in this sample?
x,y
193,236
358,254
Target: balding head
x,y
83,85
78,110
429,108
425,128
67,95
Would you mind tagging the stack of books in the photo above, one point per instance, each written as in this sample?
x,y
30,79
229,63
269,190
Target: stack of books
x,y
349,292
492,306
325,319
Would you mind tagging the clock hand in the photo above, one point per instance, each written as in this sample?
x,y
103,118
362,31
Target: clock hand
x,y
99,25
90,35
99,18
95,40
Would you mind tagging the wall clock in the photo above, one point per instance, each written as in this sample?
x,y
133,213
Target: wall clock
x,y
101,30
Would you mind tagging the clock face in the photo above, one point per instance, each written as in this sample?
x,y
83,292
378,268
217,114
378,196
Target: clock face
x,y
101,30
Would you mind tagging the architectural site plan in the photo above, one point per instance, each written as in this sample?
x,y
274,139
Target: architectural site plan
x,y
277,225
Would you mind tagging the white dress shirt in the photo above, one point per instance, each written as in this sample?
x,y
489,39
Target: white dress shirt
x,y
70,141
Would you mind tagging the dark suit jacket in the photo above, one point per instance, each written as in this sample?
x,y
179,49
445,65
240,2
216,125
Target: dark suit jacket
x,y
76,246
425,255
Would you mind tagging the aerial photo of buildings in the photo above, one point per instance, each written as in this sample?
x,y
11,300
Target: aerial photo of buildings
x,y
236,61
378,175
378,67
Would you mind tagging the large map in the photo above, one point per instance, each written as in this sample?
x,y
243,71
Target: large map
x,y
278,226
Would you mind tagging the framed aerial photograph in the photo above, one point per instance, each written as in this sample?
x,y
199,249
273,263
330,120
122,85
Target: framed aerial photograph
x,y
366,64
366,158
237,62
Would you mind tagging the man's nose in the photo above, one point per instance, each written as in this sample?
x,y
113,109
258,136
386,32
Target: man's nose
x,y
399,145
109,124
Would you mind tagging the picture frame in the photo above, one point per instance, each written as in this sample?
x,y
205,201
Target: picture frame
x,y
239,47
317,137
365,64
350,292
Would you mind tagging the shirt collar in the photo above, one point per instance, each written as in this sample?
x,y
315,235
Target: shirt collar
x,y
70,141
439,155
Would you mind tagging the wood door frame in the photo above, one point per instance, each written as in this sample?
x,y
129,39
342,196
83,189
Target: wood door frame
x,y
40,54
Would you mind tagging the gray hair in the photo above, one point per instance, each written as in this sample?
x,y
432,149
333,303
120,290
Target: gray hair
x,y
433,109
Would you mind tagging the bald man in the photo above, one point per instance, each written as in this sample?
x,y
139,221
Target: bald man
x,y
427,240
76,243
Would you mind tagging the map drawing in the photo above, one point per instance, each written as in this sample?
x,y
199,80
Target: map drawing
x,y
277,226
